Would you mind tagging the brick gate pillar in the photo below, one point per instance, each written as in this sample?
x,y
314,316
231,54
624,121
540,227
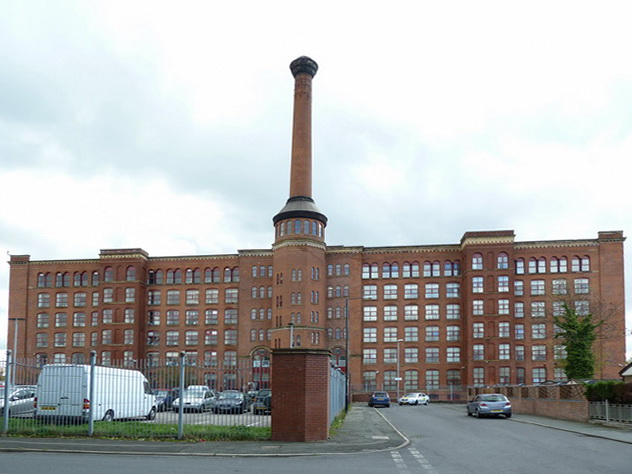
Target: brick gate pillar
x,y
300,394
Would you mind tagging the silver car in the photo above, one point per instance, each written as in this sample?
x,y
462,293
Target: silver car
x,y
489,404
21,401
195,400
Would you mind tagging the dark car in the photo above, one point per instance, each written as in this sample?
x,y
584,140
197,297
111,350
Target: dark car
x,y
263,402
379,399
489,404
231,401
165,398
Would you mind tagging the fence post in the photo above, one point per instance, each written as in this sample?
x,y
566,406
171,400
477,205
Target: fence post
x,y
607,411
93,362
181,396
5,424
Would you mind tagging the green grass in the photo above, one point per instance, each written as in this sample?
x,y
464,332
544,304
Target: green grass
x,y
138,430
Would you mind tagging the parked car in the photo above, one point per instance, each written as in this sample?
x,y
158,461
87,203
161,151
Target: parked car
x,y
195,400
489,404
231,401
21,401
165,398
198,387
414,398
263,402
379,399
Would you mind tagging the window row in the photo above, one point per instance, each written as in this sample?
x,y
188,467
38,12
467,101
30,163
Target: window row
x,y
411,334
537,352
411,270
536,287
338,291
80,339
298,227
504,329
79,319
410,379
535,265
410,312
192,297
193,337
537,309
410,355
338,270
411,291
193,276
81,278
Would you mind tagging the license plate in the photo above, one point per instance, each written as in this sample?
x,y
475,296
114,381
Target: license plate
x,y
497,411
48,408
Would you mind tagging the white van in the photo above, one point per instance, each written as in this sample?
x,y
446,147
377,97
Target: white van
x,y
63,393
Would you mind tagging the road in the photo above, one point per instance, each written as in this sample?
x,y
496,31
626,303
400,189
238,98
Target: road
x,y
443,440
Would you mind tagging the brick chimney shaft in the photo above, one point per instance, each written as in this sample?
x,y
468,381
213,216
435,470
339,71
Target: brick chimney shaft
x,y
303,69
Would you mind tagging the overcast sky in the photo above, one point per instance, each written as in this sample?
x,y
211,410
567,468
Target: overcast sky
x,y
166,125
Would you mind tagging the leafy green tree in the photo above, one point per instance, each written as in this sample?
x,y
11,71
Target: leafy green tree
x,y
578,333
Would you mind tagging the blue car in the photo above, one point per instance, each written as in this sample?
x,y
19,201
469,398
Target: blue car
x,y
489,404
379,399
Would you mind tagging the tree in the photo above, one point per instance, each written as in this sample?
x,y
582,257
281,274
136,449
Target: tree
x,y
578,333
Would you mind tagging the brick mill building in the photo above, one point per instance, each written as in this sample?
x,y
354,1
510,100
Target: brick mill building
x,y
428,317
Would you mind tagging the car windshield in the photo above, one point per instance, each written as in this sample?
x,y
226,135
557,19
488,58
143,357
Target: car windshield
x,y
379,394
161,393
194,394
493,398
230,395
411,395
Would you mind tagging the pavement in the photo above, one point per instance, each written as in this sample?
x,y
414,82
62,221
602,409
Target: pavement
x,y
364,430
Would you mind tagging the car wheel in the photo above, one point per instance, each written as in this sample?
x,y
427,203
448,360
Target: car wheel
x,y
416,402
152,414
109,416
508,415
477,414
400,404
388,406
469,413
426,403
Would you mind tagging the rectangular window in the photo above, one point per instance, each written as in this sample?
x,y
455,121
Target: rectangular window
x,y
519,309
452,290
432,290
504,351
193,297
390,313
231,295
369,313
230,316
411,334
559,287
80,300
453,333
411,312
211,337
503,329
432,333
230,337
60,339
538,352
212,296
369,292
106,336
538,309
478,308
211,316
172,338
42,320
61,320
503,306
41,339
129,315
503,284
390,334
173,317
43,300
432,311
173,297
390,356
369,356
191,338
453,311
61,300
477,284
128,337
478,330
108,295
519,352
79,320
582,286
518,288
191,317
108,315
153,297
411,355
537,287
130,295
538,331
78,339
411,291
390,292
432,379
453,354
369,335
432,354
519,331
153,318
478,352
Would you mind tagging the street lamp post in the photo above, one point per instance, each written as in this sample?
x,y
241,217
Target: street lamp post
x,y
15,345
398,377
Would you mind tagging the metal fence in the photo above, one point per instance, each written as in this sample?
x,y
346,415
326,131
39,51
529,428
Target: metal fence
x,y
227,401
337,393
610,412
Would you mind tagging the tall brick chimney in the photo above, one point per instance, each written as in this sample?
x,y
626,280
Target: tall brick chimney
x,y
300,203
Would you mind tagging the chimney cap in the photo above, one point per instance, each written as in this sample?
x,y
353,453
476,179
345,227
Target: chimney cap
x,y
303,65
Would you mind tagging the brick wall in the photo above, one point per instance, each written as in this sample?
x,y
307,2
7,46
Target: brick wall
x,y
300,395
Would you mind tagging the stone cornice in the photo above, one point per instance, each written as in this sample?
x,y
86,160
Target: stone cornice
x,y
555,244
299,243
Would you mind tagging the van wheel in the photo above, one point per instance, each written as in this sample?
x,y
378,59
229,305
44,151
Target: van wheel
x,y
152,414
109,416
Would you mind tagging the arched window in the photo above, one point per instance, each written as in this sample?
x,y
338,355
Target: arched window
x,y
503,261
130,274
585,264
477,261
